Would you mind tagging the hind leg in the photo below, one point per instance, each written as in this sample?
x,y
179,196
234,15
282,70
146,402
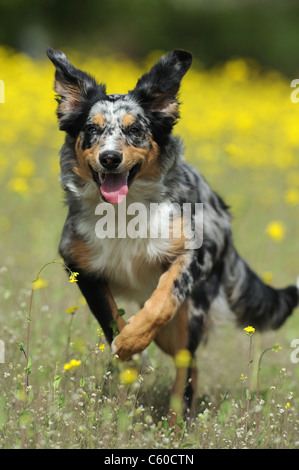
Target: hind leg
x,y
177,339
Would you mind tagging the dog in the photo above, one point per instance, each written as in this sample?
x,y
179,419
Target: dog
x,y
120,150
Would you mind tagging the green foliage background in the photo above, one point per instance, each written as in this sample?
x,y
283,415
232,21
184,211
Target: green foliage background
x,y
214,30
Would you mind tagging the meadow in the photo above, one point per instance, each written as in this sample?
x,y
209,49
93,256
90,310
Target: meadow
x,y
240,130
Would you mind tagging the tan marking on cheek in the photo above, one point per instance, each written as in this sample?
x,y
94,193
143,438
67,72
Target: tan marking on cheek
x,y
99,120
85,158
132,155
150,167
128,120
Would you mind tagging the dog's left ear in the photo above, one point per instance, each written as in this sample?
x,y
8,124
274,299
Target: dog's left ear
x,y
157,90
73,87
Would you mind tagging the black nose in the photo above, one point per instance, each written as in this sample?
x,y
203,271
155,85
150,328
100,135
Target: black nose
x,y
110,160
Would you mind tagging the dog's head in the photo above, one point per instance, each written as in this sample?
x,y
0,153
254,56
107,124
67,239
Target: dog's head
x,y
119,137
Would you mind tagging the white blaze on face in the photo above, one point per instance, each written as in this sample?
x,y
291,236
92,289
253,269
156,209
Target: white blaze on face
x,y
112,117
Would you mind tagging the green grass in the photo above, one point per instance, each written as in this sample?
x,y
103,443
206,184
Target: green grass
x,y
88,407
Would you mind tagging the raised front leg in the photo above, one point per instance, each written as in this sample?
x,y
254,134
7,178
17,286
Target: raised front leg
x,y
158,310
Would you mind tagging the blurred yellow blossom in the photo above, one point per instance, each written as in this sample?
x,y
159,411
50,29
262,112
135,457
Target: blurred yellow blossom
x,y
71,310
128,376
183,358
276,347
25,167
250,330
244,116
268,277
73,364
39,284
18,185
276,230
73,277
292,196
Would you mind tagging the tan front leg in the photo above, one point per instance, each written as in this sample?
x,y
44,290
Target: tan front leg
x,y
157,312
173,339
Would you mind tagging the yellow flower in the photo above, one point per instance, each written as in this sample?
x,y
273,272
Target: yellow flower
x,y
276,348
287,406
243,378
249,330
291,196
183,358
276,230
102,347
39,284
71,310
18,185
25,167
128,376
73,364
268,277
73,277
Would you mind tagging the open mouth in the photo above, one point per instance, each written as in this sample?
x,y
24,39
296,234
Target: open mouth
x,y
114,186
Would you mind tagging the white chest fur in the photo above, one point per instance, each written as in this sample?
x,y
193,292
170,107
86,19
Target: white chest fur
x,y
125,246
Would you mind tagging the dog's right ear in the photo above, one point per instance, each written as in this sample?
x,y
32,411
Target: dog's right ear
x,y
73,88
157,90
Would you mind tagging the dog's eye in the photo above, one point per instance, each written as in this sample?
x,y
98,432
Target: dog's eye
x,y
92,130
134,131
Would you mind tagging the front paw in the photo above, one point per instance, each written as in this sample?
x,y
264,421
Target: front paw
x,y
133,339
124,346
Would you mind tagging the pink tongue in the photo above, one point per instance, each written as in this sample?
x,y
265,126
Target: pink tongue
x,y
114,187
